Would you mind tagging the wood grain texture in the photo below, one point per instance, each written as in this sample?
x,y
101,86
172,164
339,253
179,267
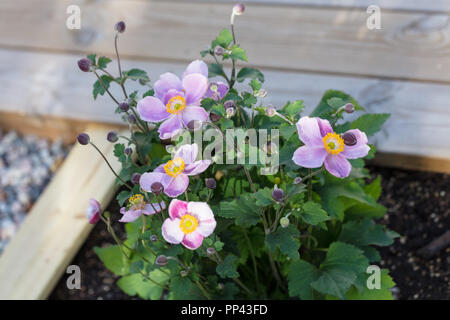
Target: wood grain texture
x,y
56,227
331,40
51,84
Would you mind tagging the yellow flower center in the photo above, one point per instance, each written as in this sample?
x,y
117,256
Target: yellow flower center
x,y
176,105
136,201
188,223
174,167
333,143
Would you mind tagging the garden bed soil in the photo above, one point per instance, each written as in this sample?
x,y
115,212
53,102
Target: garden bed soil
x,y
418,209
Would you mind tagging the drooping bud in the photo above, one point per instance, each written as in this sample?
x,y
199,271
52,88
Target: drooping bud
x,y
128,151
124,106
157,188
112,136
270,112
153,238
210,183
210,251
277,194
284,222
131,119
218,51
349,139
214,117
161,261
349,108
85,64
93,211
135,178
120,26
83,139
298,180
238,9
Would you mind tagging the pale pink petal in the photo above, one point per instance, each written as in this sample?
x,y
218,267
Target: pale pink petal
x,y
166,82
152,109
177,208
93,211
324,127
150,208
191,113
170,94
195,86
188,152
222,90
205,216
160,168
338,165
360,149
131,215
192,240
170,127
196,66
173,187
309,157
309,131
148,178
197,167
171,231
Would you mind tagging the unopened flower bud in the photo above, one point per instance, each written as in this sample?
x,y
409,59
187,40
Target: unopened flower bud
x,y
210,251
214,117
270,112
213,87
157,188
112,136
93,211
128,151
277,194
85,64
184,273
131,119
153,238
135,178
284,222
161,261
277,180
238,9
219,175
298,180
218,51
230,108
210,183
261,93
349,108
349,139
83,138
124,106
120,26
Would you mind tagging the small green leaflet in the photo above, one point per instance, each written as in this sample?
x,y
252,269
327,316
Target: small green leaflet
x,y
370,123
103,61
249,73
313,213
98,87
244,210
228,267
113,259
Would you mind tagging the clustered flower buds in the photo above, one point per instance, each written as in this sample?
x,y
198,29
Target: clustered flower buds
x,y
83,139
230,108
131,119
214,117
349,139
157,188
120,26
112,136
210,183
161,261
218,51
85,64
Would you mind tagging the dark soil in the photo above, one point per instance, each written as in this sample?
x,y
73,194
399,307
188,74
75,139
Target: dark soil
x,y
418,209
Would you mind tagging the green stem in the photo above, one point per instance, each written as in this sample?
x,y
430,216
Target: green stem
x,y
252,254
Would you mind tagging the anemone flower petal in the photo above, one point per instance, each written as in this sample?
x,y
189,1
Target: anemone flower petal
x,y
360,149
170,127
188,152
309,131
131,215
309,157
177,208
197,66
166,82
173,187
148,178
171,231
338,165
195,86
152,109
150,208
192,240
191,113
196,167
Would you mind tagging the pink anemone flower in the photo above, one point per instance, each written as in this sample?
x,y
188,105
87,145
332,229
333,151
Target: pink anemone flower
x,y
137,207
217,90
174,174
176,102
188,223
323,146
93,211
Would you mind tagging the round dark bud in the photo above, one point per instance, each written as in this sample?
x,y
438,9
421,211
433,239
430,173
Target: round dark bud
x,y
120,26
112,136
131,119
85,64
210,183
128,151
210,251
349,108
238,9
153,238
298,180
214,117
161,260
229,104
124,106
83,138
349,139
218,51
135,178
157,188
277,195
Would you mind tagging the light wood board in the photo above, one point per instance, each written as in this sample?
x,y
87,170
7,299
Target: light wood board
x,y
56,227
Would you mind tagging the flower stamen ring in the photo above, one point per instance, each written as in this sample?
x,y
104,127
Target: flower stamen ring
x,y
333,143
176,105
188,223
174,167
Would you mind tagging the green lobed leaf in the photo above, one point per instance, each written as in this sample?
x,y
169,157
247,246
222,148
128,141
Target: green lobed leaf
x,y
228,267
365,232
384,293
113,259
103,61
313,213
98,87
300,276
286,240
244,210
249,73
224,39
370,123
237,53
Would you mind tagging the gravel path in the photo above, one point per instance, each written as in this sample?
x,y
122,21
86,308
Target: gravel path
x,y
418,209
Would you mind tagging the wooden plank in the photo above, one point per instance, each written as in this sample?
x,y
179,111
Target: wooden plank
x,y
419,120
56,227
331,40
